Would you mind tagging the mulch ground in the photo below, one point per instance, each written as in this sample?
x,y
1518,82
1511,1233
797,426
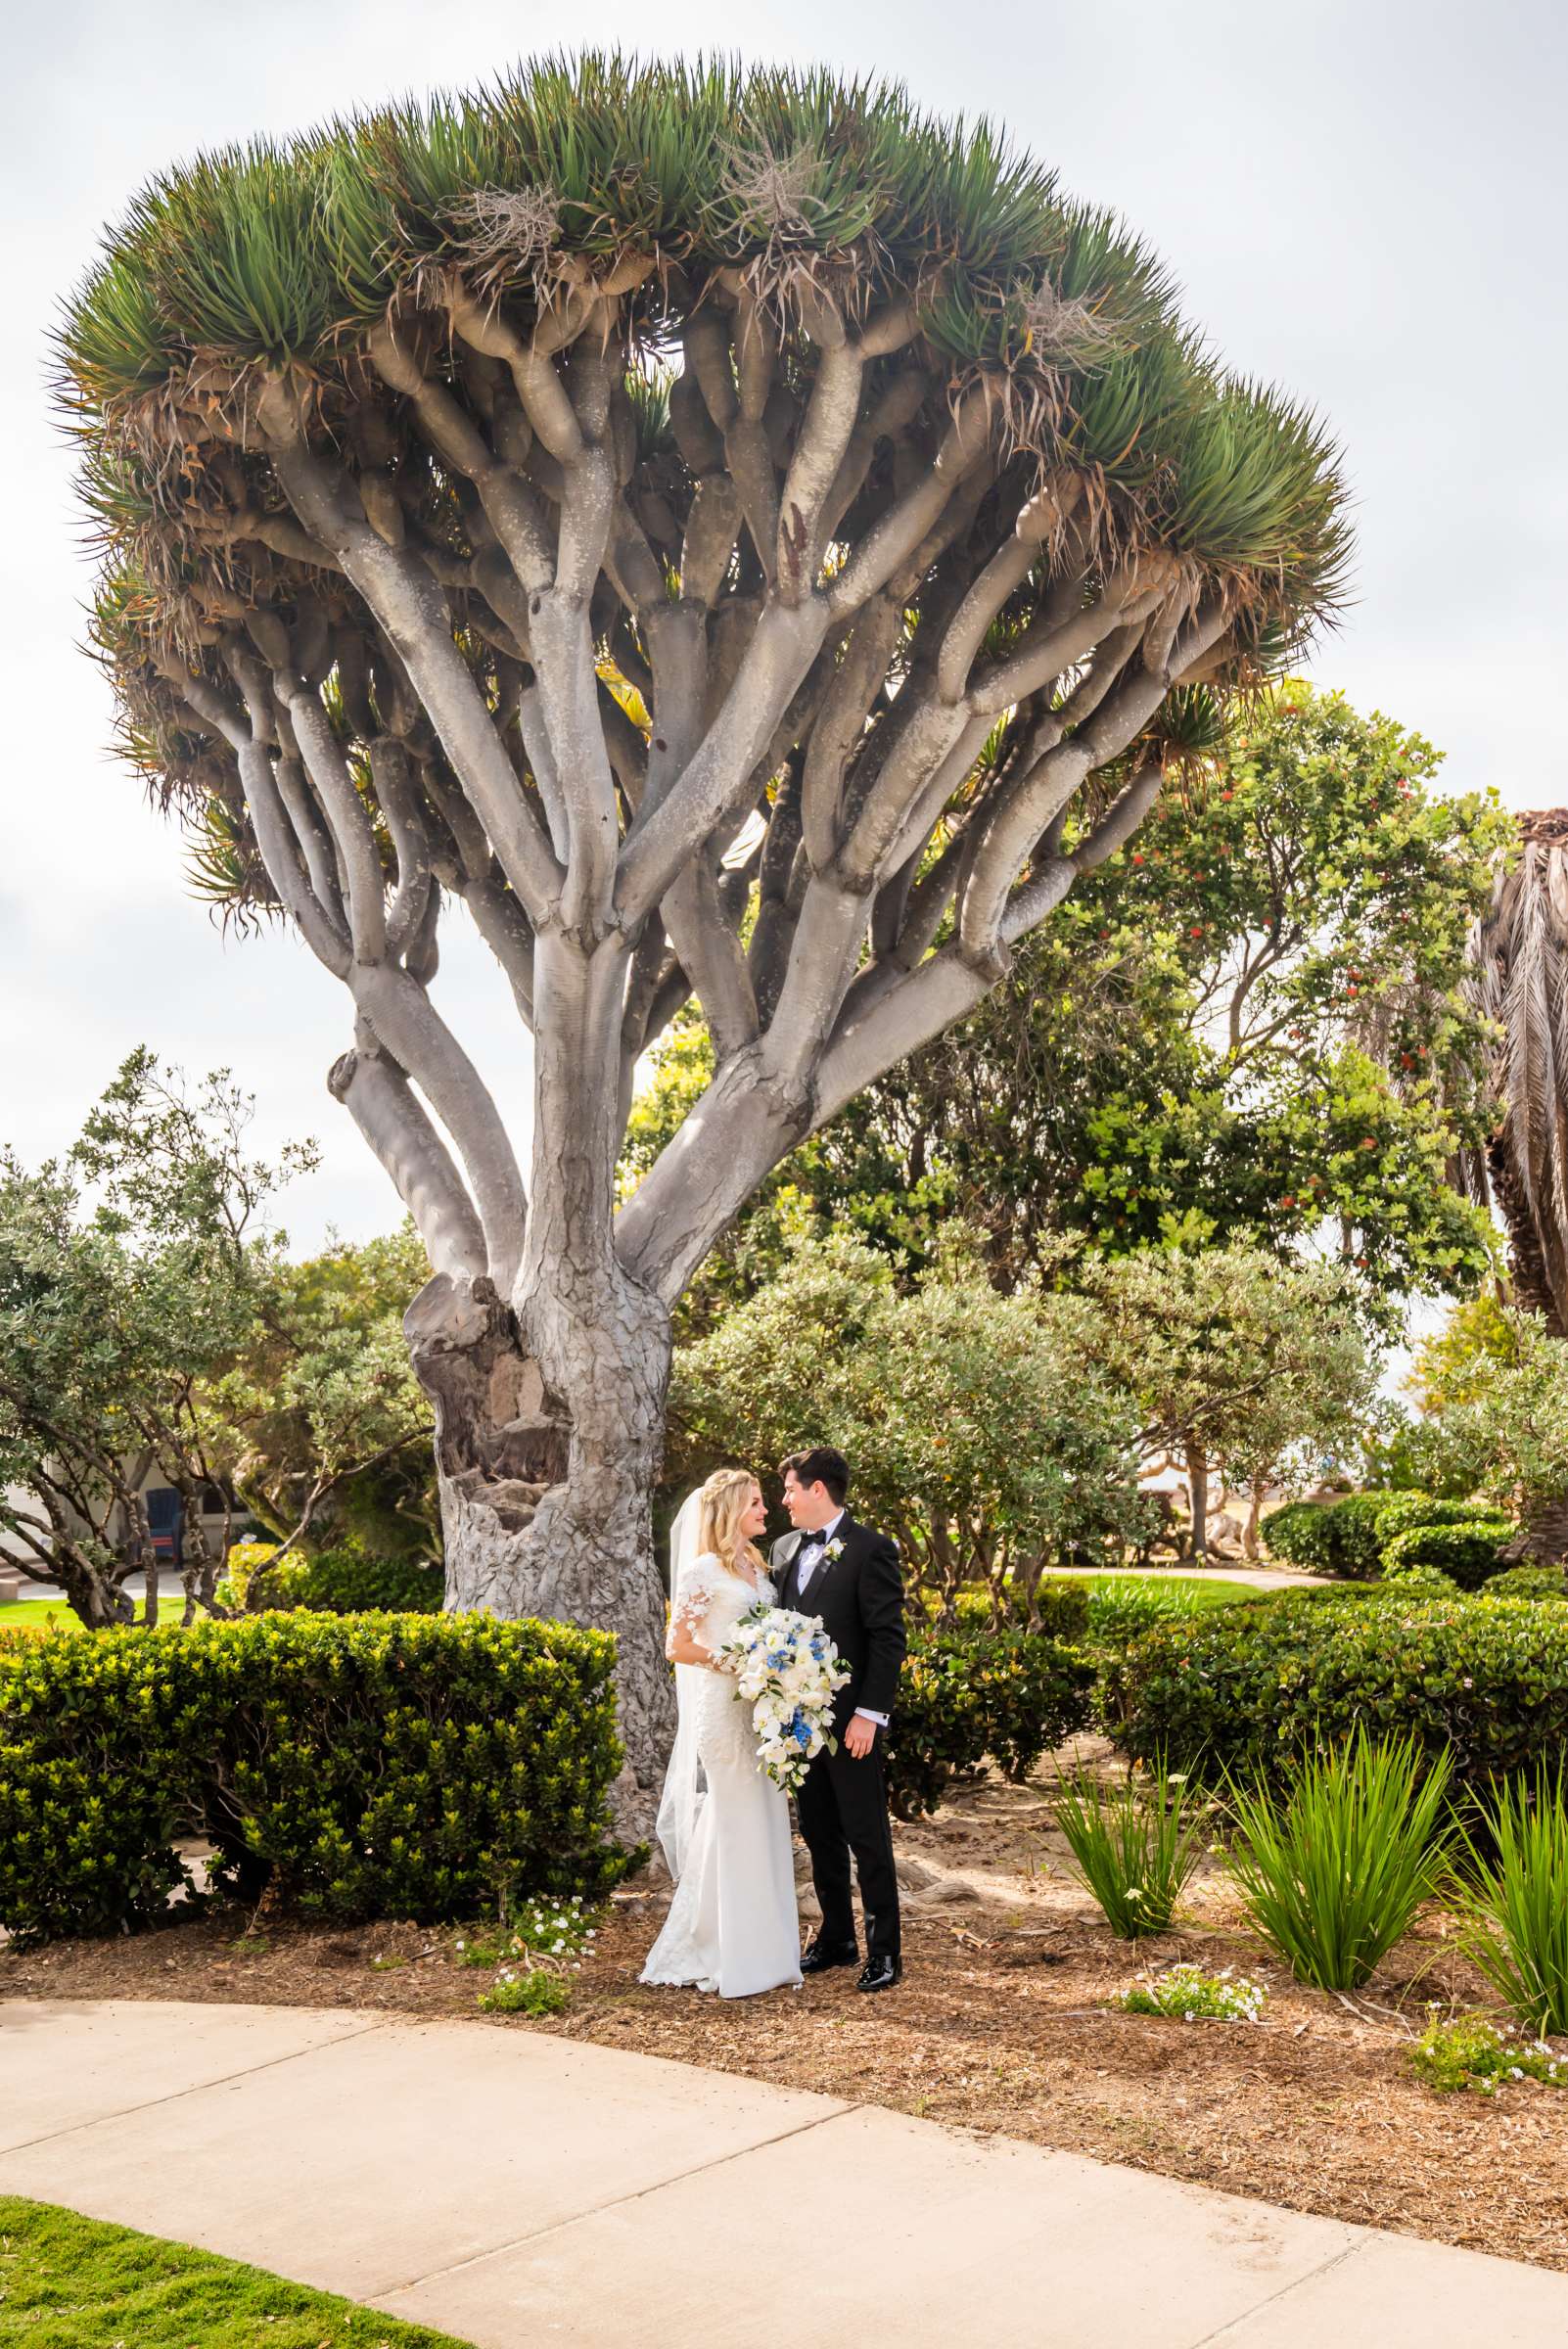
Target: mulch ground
x,y
1000,2025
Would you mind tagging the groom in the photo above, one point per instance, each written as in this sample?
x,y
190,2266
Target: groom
x,y
849,1576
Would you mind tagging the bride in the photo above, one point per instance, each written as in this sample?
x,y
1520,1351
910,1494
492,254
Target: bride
x,y
733,1925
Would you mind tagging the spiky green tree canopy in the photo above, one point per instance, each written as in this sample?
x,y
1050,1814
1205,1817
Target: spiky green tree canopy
x,y
737,534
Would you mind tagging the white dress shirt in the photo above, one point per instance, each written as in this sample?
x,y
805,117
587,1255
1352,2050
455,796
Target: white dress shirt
x,y
806,1567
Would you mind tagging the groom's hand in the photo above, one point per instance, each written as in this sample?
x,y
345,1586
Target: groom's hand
x,y
859,1737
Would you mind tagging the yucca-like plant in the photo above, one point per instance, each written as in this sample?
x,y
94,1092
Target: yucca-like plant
x,y
1513,1901
715,525
1333,1868
1134,1845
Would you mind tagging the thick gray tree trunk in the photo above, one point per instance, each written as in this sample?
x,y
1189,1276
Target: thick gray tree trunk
x,y
546,1484
550,1404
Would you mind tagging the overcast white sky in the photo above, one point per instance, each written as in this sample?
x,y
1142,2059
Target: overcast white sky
x,y
1365,203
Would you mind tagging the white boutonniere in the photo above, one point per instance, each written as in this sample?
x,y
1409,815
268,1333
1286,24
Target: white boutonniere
x,y
833,1550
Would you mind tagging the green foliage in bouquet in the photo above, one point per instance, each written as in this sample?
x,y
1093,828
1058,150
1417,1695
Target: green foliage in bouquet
x,y
385,1765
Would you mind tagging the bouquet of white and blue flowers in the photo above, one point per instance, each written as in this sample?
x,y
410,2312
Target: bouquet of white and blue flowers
x,y
788,1670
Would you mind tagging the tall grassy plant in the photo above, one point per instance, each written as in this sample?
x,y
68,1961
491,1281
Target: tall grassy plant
x,y
1333,1870
1134,1845
1515,1904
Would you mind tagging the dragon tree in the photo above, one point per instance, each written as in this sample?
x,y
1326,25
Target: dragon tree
x,y
746,542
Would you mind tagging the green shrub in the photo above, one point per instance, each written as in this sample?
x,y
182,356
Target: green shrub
x,y
1296,1533
1475,2052
1338,1536
1403,1512
532,1993
1124,1609
385,1766
1527,1581
1332,1870
1007,1696
1417,1579
1514,1906
347,1581
1187,1995
1467,1552
243,1563
1252,1687
1061,1608
1135,1846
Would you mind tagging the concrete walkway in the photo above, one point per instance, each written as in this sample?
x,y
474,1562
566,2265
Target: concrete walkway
x,y
517,2188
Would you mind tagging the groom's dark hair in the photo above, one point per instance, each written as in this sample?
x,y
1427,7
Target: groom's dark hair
x,y
821,1465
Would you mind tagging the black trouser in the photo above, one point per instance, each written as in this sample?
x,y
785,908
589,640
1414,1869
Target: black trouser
x,y
843,1808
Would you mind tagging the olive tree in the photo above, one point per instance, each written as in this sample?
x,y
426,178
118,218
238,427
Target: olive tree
x,y
734,535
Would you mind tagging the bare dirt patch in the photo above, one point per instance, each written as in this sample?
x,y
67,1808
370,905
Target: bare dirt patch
x,y
1001,2024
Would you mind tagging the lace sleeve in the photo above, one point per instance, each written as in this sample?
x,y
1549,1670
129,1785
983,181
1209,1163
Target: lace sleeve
x,y
693,1601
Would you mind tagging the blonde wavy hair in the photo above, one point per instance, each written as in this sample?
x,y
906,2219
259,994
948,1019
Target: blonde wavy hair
x,y
725,1500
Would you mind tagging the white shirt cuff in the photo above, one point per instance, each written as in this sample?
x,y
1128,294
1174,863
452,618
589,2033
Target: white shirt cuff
x,y
881,1719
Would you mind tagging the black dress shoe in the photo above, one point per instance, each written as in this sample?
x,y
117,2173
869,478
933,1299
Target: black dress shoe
x,y
881,1974
821,1955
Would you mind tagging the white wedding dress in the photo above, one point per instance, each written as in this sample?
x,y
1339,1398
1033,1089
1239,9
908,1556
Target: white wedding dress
x,y
733,1925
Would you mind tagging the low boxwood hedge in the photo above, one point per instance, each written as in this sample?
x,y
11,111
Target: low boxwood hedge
x,y
1527,1581
1247,1689
1468,1551
1060,1609
1006,1696
1368,1534
1408,1512
424,1766
330,1581
1335,1536
348,1582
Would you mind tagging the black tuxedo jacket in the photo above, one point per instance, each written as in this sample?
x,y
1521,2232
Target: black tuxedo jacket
x,y
859,1596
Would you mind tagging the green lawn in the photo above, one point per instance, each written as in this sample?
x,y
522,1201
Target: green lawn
x,y
32,1614
68,2282
1194,1590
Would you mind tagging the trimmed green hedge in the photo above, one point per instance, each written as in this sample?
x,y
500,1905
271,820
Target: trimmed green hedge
x,y
1368,1534
345,1582
1006,1696
332,1581
1468,1551
1527,1581
1405,1512
1336,1537
1061,1609
380,1765
1248,1688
